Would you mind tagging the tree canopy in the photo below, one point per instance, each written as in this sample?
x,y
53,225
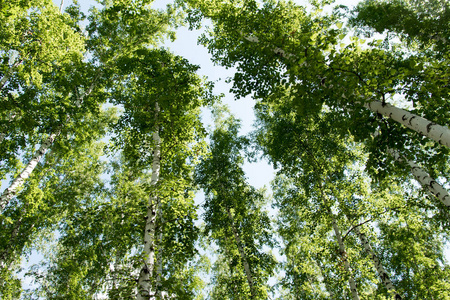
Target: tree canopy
x,y
113,175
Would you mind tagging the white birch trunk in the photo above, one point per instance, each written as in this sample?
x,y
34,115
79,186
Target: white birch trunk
x,y
378,266
12,190
159,260
425,179
438,133
351,280
144,281
242,254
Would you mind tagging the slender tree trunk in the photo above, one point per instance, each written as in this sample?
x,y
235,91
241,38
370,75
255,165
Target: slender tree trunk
x,y
424,179
159,260
343,253
12,190
438,133
61,6
243,256
378,266
144,281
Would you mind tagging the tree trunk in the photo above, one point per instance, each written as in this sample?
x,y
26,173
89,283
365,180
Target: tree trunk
x,y
11,191
378,266
343,254
438,133
144,281
243,256
159,261
424,179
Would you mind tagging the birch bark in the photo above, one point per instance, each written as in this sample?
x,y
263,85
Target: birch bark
x,y
144,281
424,179
159,261
438,133
243,256
11,191
343,253
378,266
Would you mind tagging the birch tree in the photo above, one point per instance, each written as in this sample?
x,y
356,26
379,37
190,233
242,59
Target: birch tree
x,y
115,32
160,131
39,46
234,214
53,192
280,44
351,223
298,147
46,108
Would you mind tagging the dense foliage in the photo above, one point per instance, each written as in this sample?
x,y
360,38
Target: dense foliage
x,y
103,151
